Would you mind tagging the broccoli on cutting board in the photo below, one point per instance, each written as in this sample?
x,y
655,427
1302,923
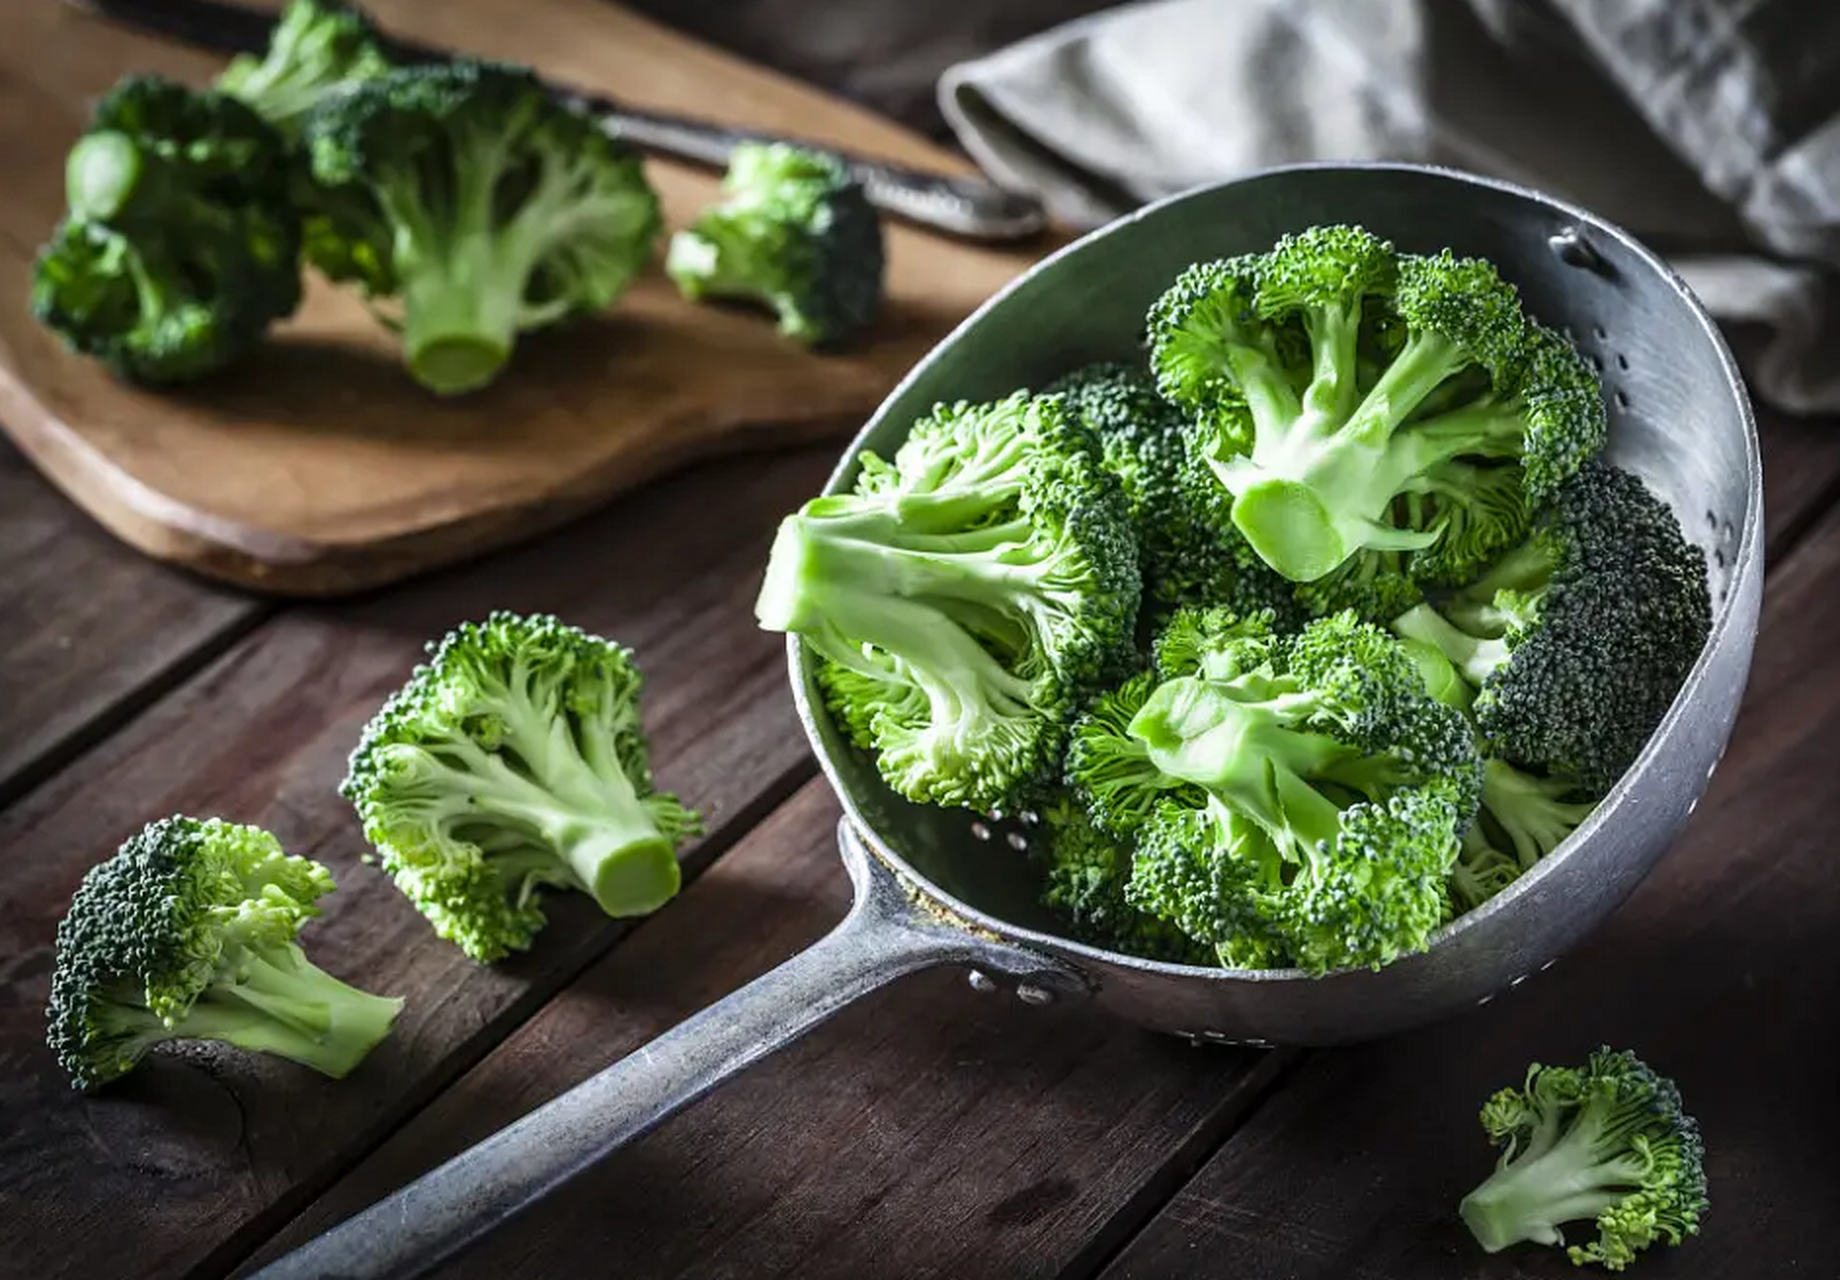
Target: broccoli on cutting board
x,y
514,759
188,933
180,245
478,206
794,233
317,48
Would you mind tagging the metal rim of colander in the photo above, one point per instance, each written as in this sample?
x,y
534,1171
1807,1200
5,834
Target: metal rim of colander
x,y
1530,880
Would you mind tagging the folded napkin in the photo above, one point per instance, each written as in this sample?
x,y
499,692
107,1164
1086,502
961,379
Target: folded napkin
x,y
1711,128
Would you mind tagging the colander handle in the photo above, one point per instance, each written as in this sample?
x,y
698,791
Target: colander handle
x,y
884,936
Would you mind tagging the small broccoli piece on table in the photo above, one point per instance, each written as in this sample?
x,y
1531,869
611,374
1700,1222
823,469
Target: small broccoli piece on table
x,y
966,598
1306,795
1608,1143
1578,640
316,48
180,246
795,233
1352,400
1190,553
188,933
514,759
1084,878
484,206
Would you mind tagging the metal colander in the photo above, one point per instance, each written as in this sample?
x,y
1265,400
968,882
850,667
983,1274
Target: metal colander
x,y
938,887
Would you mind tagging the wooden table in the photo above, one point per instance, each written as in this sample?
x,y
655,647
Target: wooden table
x,y
929,1131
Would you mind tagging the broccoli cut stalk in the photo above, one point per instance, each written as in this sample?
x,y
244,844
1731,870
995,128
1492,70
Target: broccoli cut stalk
x,y
512,760
188,933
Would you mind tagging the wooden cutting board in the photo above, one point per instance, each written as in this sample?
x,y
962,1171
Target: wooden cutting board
x,y
318,467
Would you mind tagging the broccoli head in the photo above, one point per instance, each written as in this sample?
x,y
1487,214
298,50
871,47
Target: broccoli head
x,y
1578,640
1349,399
966,597
188,933
515,758
1190,553
316,47
180,246
1085,873
484,206
1608,1143
1305,794
794,232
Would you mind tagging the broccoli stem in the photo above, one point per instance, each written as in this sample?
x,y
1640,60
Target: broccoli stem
x,y
1422,365
1551,1182
102,174
1528,810
277,1001
461,316
1475,656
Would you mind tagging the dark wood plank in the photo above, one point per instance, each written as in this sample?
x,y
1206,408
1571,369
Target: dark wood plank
x,y
926,1131
90,629
1722,970
194,1159
1801,468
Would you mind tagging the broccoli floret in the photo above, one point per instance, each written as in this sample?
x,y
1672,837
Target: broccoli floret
x,y
316,47
515,758
1332,791
1084,876
483,205
1190,552
968,596
180,246
794,232
1607,1143
1578,640
1316,376
188,933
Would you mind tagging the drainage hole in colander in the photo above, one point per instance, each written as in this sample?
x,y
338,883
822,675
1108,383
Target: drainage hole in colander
x,y
1622,362
1597,331
1622,400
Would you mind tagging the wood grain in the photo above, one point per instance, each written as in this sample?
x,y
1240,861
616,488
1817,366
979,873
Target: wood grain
x,y
317,466
926,1131
1723,970
198,1156
90,630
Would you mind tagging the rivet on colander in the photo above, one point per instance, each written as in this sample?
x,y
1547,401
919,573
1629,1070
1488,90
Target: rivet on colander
x,y
981,982
1029,993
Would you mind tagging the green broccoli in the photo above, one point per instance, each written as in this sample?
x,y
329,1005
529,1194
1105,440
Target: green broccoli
x,y
180,246
1523,816
1324,377
1189,555
794,232
483,205
316,47
188,933
1085,873
1316,793
1607,1143
1578,640
966,597
514,758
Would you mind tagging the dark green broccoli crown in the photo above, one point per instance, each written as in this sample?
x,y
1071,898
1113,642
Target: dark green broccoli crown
x,y
181,246
1214,877
1567,422
1607,638
795,231
1608,1143
316,47
988,570
1085,876
517,744
147,929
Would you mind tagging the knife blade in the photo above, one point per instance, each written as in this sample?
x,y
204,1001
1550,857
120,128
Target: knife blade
x,y
971,207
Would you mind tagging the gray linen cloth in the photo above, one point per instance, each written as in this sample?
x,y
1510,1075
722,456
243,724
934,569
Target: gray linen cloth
x,y
1711,128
